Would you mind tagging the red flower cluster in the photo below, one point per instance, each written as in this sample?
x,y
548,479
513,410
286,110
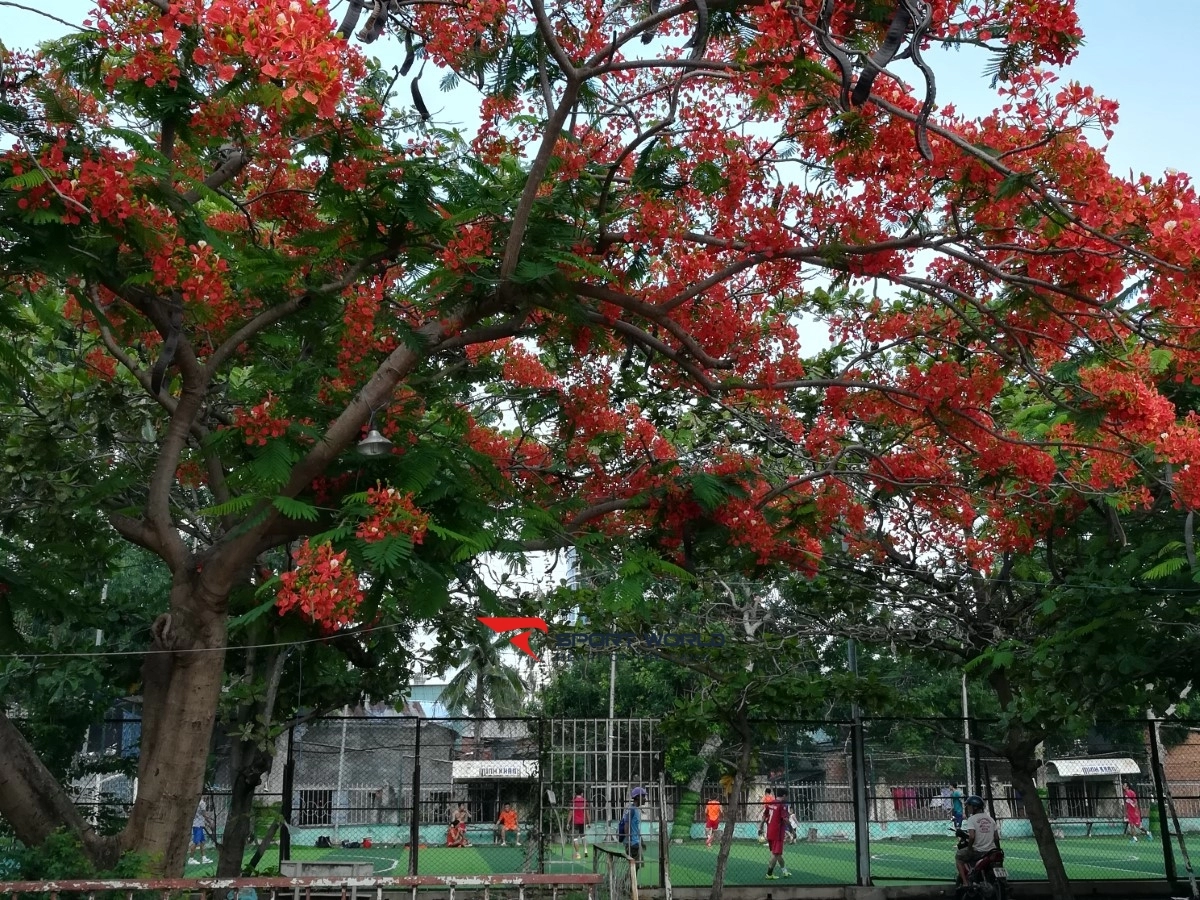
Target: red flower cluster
x,y
288,42
393,512
191,474
258,424
463,251
323,587
458,29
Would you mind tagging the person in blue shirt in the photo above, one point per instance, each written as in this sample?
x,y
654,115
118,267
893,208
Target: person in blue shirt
x,y
956,806
633,826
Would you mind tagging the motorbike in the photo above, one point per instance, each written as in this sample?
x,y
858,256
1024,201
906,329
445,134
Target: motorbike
x,y
987,879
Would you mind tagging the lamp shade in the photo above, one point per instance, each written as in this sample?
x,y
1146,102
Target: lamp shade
x,y
374,444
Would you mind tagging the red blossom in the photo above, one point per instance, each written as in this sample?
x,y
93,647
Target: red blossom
x,y
392,513
323,587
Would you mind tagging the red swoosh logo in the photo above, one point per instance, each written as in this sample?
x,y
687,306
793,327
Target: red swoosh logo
x,y
501,624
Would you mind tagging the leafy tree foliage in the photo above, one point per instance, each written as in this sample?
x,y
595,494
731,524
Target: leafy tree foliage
x,y
580,327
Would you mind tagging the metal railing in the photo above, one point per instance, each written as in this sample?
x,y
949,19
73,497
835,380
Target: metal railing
x,y
520,885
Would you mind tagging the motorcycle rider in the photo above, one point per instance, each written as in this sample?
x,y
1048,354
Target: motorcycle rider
x,y
979,836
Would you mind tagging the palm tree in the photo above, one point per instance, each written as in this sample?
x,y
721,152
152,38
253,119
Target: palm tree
x,y
485,684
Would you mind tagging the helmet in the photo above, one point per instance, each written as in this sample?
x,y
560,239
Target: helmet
x,y
974,801
637,792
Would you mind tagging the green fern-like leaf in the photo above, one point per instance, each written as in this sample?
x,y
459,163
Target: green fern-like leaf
x,y
1165,568
475,544
267,590
333,535
231,507
708,490
296,509
273,466
41,217
389,553
24,181
418,470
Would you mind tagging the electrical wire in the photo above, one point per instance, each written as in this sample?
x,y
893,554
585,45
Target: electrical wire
x,y
592,577
226,649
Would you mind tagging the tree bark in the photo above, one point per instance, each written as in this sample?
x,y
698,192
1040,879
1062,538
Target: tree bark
x,y
248,763
35,805
684,816
711,745
250,759
1019,744
181,687
739,781
1023,768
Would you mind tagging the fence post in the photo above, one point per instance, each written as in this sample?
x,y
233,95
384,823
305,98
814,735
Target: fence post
x,y
664,839
1160,798
858,778
541,813
414,827
285,806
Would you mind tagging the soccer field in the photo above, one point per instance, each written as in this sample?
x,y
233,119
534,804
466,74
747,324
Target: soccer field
x,y
928,860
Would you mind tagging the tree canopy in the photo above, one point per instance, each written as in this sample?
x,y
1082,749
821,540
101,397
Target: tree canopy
x,y
581,325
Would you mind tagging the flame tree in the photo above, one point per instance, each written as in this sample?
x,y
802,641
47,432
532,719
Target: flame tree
x,y
266,252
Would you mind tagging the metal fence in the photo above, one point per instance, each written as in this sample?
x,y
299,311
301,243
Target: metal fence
x,y
871,801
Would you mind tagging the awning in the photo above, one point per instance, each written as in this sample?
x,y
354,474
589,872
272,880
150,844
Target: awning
x,y
494,769
1093,768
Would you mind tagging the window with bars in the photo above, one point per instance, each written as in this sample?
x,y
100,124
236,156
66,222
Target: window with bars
x,y
316,807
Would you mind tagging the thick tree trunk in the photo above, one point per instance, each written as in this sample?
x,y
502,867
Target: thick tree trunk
x,y
181,686
35,805
681,828
248,763
182,679
739,781
1019,744
711,745
249,760
1023,768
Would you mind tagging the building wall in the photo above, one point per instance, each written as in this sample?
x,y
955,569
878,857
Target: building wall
x,y
1182,766
360,771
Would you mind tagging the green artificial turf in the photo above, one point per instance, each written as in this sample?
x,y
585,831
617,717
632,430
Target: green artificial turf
x,y
929,860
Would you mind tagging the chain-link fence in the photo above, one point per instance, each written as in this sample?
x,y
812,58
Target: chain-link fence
x,y
401,795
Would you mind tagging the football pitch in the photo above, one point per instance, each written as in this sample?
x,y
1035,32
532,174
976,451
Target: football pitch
x,y
915,860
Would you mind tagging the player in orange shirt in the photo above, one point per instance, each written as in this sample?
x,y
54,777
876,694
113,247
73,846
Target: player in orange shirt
x,y
506,823
712,818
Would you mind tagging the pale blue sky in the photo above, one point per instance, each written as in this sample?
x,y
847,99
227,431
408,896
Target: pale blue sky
x,y
1138,54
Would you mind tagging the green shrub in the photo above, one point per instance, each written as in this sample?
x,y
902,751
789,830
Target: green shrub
x,y
61,857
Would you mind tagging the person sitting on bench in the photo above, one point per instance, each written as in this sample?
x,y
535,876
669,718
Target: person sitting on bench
x,y
506,824
456,834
